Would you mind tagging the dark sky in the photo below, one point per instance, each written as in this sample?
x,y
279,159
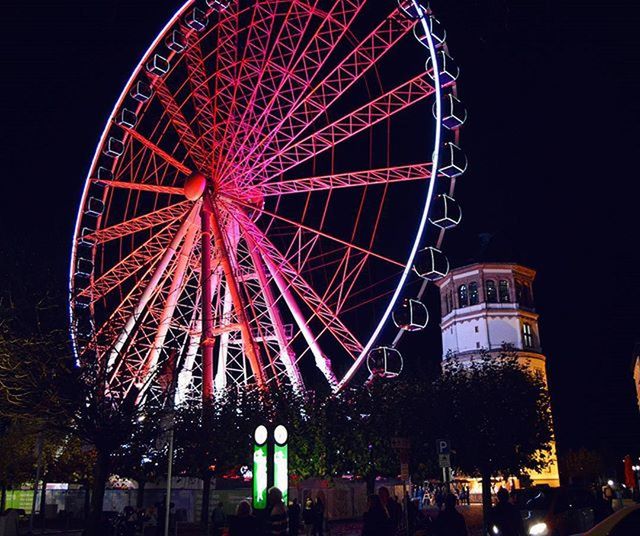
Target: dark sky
x,y
552,87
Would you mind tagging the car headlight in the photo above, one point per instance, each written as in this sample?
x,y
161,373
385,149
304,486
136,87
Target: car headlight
x,y
539,529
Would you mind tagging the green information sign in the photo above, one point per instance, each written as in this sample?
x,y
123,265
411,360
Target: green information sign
x,y
260,460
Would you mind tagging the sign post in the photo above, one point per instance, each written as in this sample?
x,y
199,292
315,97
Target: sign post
x,y
444,459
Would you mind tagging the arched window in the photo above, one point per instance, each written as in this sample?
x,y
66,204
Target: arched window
x,y
473,293
492,294
503,287
448,303
523,294
463,296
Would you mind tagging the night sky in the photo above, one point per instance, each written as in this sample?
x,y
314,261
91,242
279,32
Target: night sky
x,y
552,89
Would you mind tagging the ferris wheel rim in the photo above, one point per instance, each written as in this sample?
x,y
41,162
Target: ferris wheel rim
x,y
416,243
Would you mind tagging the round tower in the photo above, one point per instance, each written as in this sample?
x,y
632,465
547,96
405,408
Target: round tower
x,y
486,306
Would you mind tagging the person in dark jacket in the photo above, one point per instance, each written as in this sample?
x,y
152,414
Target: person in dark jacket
x,y
376,521
450,522
307,516
318,514
294,518
506,517
278,518
243,523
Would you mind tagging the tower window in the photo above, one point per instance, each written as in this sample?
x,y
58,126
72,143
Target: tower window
x,y
473,293
523,294
448,303
492,294
463,296
504,291
527,335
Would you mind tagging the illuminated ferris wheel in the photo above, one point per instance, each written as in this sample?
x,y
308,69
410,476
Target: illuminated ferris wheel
x,y
258,207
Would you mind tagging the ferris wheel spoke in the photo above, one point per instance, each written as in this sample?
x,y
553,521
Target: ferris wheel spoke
x,y
154,188
281,268
320,233
143,256
233,84
139,223
157,150
306,110
379,109
181,125
149,290
200,93
355,179
286,84
170,304
286,45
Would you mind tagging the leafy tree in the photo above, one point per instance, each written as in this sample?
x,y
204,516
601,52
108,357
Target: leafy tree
x,y
214,440
497,414
18,440
142,456
582,466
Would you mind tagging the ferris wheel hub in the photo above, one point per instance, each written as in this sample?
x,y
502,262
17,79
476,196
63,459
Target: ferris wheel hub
x,y
195,186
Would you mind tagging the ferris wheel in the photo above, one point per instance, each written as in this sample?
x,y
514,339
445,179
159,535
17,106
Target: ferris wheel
x,y
272,182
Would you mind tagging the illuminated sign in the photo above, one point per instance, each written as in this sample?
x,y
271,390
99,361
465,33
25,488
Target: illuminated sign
x,y
280,462
260,458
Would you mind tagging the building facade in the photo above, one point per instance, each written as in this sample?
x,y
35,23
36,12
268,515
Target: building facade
x,y
486,306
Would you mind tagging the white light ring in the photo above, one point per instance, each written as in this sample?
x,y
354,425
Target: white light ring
x,y
425,213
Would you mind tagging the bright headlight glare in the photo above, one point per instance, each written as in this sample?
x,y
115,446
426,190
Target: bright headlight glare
x,y
539,529
495,530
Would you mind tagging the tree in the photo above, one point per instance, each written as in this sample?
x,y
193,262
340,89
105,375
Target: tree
x,y
582,466
17,459
497,414
216,439
141,456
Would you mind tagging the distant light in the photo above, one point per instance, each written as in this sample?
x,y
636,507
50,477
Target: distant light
x,y
539,529
141,418
610,482
495,530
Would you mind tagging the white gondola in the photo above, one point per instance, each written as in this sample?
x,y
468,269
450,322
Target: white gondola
x,y
437,31
86,238
454,114
453,161
84,268
218,5
431,264
196,19
104,174
114,147
82,302
127,118
384,362
175,41
94,208
411,315
158,65
141,91
447,68
445,212
408,8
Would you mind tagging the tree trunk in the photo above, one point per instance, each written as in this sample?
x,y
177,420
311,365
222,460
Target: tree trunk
x,y
43,502
371,483
486,498
206,493
100,476
140,495
3,497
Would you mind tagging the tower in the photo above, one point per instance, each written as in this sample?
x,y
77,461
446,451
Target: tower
x,y
485,306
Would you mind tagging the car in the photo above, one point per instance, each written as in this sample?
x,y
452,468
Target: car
x,y
559,511
624,522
